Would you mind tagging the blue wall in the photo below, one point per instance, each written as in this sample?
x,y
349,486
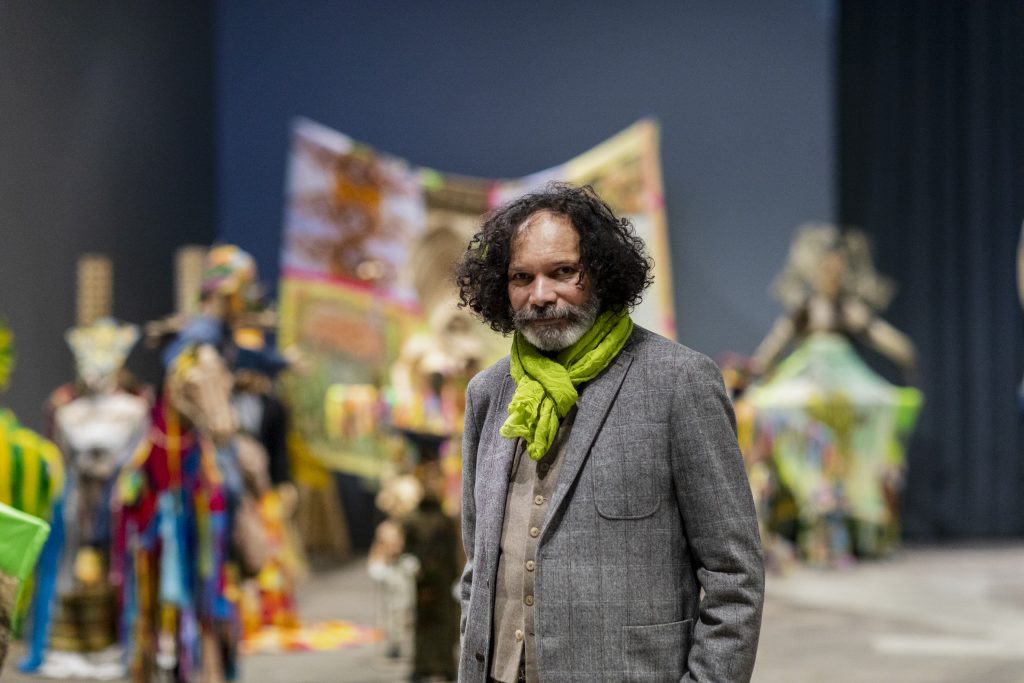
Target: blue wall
x,y
743,91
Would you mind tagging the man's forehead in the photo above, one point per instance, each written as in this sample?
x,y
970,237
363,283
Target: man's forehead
x,y
548,246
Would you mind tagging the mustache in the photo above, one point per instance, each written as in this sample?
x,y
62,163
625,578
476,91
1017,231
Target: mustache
x,y
569,313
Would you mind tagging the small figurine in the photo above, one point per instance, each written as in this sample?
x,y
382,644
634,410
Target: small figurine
x,y
387,564
432,537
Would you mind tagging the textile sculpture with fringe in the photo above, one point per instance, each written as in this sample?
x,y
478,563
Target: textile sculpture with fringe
x,y
170,556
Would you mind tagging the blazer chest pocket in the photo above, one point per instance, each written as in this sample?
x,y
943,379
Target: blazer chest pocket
x,y
629,472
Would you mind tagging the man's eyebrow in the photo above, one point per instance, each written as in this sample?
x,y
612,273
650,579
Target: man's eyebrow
x,y
576,263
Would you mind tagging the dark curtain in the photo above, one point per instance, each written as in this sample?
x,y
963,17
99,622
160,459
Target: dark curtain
x,y
931,163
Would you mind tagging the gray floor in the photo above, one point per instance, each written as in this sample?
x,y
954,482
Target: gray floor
x,y
926,616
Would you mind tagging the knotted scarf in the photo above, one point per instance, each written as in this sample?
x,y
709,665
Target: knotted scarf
x,y
546,387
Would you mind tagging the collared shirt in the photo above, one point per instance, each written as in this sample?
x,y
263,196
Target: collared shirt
x,y
526,507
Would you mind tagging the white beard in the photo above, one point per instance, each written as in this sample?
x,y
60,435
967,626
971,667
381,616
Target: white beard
x,y
577,320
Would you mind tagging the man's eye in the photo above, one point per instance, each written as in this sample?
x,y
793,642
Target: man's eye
x,y
566,271
518,277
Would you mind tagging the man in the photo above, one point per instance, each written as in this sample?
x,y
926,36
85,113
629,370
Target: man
x,y
603,490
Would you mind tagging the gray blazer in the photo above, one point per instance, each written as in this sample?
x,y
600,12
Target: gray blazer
x,y
652,506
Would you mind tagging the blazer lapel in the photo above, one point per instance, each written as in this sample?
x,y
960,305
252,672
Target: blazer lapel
x,y
592,407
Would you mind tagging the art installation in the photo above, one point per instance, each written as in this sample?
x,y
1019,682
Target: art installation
x,y
173,541
432,537
389,565
31,487
824,434
95,420
96,425
203,553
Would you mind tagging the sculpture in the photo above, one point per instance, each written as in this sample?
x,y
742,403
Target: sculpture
x,y
822,433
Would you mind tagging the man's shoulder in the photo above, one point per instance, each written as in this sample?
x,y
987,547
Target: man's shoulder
x,y
672,358
648,345
489,380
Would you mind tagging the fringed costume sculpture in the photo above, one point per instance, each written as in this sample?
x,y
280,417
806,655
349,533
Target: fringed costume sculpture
x,y
173,559
820,428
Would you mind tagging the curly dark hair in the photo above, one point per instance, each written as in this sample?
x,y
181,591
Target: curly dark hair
x,y
611,254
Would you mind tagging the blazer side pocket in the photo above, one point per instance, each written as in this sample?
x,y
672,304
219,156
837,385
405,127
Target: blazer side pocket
x,y
658,652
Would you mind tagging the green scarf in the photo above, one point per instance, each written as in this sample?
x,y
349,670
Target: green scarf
x,y
546,387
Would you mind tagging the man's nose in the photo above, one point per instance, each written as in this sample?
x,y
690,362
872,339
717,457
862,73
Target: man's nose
x,y
542,292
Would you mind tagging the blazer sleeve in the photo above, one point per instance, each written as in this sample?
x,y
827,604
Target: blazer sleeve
x,y
470,443
717,508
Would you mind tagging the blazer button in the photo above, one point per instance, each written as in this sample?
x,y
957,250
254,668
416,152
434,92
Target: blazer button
x,y
535,532
529,600
479,656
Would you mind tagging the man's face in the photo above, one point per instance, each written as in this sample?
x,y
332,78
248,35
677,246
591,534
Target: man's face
x,y
551,296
